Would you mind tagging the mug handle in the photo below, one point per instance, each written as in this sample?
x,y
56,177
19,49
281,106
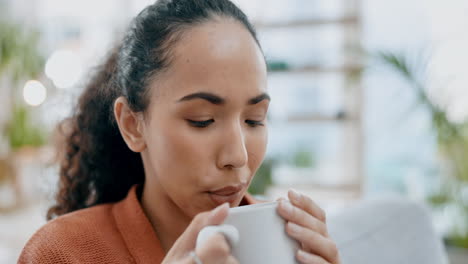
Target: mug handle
x,y
230,232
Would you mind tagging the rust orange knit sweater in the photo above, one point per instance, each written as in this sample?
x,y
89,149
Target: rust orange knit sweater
x,y
109,233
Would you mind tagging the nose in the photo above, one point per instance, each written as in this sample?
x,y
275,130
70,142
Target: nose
x,y
233,152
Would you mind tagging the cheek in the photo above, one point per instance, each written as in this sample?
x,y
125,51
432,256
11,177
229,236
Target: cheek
x,y
256,149
178,155
177,152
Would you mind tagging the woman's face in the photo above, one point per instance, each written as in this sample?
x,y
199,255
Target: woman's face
x,y
205,128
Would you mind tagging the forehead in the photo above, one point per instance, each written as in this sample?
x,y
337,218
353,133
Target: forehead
x,y
218,56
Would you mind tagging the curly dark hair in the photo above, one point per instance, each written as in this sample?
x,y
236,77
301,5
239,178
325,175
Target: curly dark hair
x,y
97,166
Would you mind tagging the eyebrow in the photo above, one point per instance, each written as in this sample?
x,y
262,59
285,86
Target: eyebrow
x,y
217,100
259,98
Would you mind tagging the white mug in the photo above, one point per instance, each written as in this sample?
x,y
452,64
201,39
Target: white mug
x,y
256,234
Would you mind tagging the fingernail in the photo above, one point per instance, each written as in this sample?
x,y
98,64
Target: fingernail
x,y
286,206
302,254
296,229
295,195
218,209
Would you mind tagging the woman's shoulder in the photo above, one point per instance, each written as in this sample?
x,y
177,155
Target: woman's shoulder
x,y
76,222
72,236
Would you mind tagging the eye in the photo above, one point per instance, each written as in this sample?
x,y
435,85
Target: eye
x,y
254,123
201,124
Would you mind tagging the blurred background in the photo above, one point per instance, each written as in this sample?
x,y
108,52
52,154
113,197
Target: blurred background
x,y
370,99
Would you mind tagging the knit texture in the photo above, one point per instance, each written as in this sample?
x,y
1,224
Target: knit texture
x,y
109,233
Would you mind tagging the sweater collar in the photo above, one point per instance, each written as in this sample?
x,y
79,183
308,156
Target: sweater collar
x,y
137,231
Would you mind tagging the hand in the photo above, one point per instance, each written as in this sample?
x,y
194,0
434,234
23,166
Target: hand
x,y
215,249
306,222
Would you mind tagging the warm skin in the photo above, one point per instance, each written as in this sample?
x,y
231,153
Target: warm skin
x,y
183,163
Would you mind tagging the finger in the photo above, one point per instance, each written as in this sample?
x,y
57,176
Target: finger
x,y
297,215
232,260
187,240
213,217
308,258
305,203
216,249
317,243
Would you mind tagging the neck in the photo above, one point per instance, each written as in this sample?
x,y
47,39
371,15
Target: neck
x,y
168,221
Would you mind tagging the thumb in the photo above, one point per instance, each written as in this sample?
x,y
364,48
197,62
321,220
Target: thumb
x,y
187,240
217,215
213,217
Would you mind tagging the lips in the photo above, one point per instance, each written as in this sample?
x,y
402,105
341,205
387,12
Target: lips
x,y
228,190
227,194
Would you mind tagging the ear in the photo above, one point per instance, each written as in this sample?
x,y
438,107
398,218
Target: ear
x,y
130,125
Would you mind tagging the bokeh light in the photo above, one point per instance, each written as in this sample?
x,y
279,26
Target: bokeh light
x,y
34,93
64,68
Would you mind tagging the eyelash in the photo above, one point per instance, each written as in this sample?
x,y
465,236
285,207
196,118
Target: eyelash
x,y
200,124
205,123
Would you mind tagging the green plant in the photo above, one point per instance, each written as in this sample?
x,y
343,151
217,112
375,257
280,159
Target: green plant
x,y
452,141
303,159
21,131
277,65
19,56
452,138
262,178
458,239
20,59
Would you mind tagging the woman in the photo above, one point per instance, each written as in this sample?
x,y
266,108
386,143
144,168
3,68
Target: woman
x,y
166,137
